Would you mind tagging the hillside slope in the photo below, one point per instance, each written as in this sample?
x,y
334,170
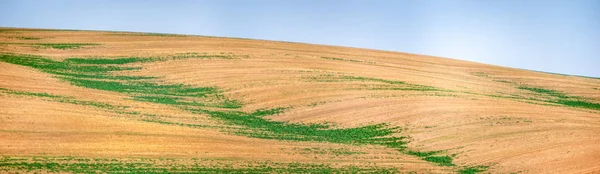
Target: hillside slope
x,y
89,101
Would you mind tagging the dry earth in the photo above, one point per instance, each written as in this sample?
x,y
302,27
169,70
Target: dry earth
x,y
491,118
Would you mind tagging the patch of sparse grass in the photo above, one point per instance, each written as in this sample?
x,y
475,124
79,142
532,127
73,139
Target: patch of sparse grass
x,y
422,154
104,61
391,84
128,60
578,103
544,91
33,94
440,160
473,169
61,46
25,38
562,98
61,99
348,60
481,74
142,87
254,125
98,74
423,88
148,34
266,112
64,46
102,76
200,56
100,165
432,156
370,79
158,99
181,124
231,104
327,151
51,66
503,81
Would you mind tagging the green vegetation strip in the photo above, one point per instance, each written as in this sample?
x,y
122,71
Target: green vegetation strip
x,y
25,38
389,84
148,34
64,46
61,46
86,165
473,169
431,156
62,99
127,60
348,60
325,151
562,98
101,76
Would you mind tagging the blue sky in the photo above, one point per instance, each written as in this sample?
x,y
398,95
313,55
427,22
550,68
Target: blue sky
x,y
561,36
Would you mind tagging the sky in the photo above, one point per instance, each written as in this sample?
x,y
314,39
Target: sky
x,y
560,36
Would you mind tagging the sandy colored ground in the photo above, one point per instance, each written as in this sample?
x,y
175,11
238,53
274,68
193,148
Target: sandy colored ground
x,y
507,135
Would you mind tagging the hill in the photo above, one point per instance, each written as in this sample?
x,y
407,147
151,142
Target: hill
x,y
95,101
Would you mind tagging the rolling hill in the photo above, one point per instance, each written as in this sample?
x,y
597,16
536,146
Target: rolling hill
x,y
96,101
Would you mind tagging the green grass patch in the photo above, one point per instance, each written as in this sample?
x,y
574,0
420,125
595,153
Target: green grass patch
x,y
481,74
562,98
327,151
256,126
578,103
390,84
55,67
104,61
440,160
61,46
100,165
370,79
158,99
64,46
100,75
137,88
148,34
128,60
61,99
181,124
473,169
348,60
32,94
544,91
432,156
422,154
25,38
230,104
503,81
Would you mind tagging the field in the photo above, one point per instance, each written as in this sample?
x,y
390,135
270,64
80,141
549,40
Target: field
x,y
114,102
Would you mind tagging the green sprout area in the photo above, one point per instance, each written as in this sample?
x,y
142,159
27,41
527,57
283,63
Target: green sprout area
x,y
25,38
107,165
110,74
59,46
64,46
557,97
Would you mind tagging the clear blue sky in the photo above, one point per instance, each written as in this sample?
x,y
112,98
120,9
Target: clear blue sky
x,y
561,36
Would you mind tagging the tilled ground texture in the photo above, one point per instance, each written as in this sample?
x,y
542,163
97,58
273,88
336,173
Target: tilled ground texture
x,y
113,102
